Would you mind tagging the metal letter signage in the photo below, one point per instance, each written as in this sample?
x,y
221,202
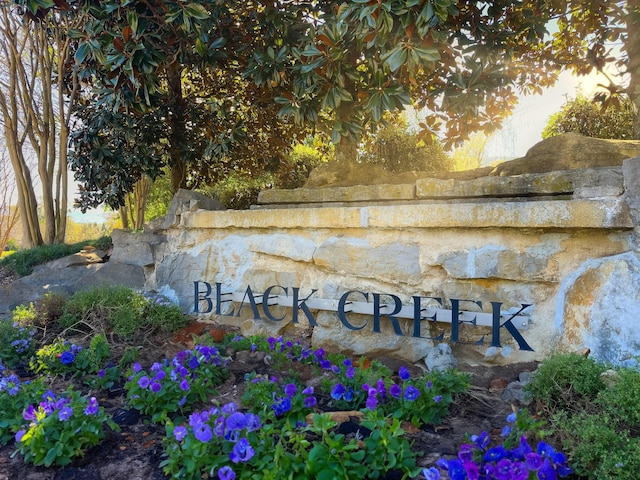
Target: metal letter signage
x,y
359,303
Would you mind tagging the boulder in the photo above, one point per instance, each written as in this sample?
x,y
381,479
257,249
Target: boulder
x,y
570,151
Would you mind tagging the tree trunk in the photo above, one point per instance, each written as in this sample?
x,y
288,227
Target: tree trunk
x,y
633,52
178,131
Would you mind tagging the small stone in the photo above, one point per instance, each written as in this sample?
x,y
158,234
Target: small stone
x,y
440,358
498,384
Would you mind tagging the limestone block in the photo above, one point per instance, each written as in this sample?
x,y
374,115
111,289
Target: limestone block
x,y
608,181
598,307
359,193
287,246
178,272
134,248
353,256
187,201
334,337
496,261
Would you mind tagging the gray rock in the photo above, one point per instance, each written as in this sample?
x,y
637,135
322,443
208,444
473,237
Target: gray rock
x,y
440,358
188,201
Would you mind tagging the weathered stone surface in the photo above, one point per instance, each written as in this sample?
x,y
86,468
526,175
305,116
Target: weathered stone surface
x,y
607,179
56,278
287,246
570,151
598,307
360,258
361,193
334,337
188,201
134,248
496,261
440,358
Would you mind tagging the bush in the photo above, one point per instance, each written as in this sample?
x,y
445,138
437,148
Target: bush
x,y
16,342
121,310
592,119
566,381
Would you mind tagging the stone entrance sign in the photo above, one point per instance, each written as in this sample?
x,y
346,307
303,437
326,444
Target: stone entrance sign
x,y
562,242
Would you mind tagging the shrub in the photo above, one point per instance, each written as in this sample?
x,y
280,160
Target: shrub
x,y
591,119
121,310
565,380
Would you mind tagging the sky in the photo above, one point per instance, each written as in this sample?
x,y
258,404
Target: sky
x,y
524,128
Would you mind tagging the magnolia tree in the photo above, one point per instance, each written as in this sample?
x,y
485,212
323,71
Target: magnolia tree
x,y
336,66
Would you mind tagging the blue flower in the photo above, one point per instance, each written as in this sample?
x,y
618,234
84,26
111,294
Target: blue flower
x,y
372,401
92,407
67,357
65,413
242,451
395,390
437,398
19,435
202,432
547,472
403,373
350,373
184,385
143,382
337,391
290,389
411,393
431,473
511,418
236,421
180,432
226,473
495,454
310,401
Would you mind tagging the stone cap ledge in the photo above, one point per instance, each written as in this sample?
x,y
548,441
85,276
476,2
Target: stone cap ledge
x,y
607,213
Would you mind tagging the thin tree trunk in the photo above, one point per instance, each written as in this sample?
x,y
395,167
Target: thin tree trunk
x,y
633,52
177,123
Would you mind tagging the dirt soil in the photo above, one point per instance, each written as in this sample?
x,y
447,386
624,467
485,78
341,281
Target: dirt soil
x,y
135,452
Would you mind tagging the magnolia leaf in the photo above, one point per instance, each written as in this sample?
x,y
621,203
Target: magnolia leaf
x,y
196,11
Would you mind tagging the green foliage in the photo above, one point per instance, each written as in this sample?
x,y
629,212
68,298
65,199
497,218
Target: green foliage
x,y
593,119
566,381
436,392
384,450
62,357
121,310
208,445
23,261
622,399
61,429
598,449
238,191
397,150
15,396
597,423
16,340
222,100
174,386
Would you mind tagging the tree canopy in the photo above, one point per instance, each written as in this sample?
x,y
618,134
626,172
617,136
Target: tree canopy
x,y
338,66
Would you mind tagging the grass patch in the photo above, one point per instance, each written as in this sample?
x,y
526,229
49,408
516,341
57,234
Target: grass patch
x,y
22,261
